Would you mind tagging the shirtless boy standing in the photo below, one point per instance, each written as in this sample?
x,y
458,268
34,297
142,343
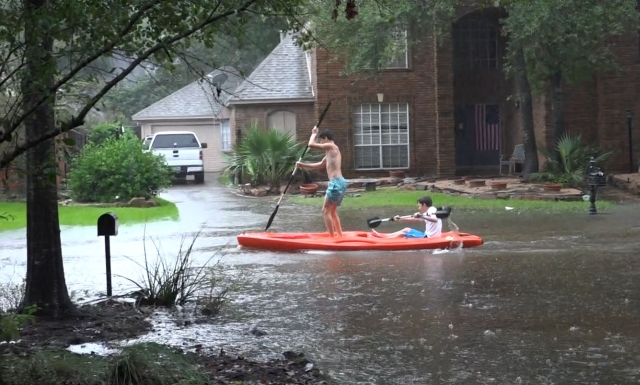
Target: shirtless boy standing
x,y
337,184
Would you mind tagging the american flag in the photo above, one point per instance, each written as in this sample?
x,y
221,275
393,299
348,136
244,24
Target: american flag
x,y
487,127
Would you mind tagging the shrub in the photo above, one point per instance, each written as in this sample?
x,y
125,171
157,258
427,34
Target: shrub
x,y
265,156
103,131
573,164
117,169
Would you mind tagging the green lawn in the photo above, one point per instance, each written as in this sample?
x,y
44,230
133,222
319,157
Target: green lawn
x,y
407,199
88,216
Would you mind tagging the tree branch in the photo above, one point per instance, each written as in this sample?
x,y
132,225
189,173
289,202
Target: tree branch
x,y
79,119
83,63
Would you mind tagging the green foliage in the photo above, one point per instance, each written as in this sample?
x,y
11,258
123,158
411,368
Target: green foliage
x,y
93,54
570,36
101,132
117,168
140,364
265,156
573,165
371,40
11,323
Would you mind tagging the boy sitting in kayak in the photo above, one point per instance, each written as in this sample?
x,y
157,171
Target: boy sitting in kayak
x,y
426,214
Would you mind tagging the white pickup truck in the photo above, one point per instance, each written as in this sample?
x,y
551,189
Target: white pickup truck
x,y
182,151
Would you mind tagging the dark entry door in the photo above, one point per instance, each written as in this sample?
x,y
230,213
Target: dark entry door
x,y
478,135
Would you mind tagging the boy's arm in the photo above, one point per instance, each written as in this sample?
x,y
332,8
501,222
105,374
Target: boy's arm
x,y
313,166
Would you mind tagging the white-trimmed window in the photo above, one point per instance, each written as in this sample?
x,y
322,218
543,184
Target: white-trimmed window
x,y
381,136
401,60
225,135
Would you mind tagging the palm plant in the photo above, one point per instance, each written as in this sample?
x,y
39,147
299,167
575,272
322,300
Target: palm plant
x,y
264,156
572,164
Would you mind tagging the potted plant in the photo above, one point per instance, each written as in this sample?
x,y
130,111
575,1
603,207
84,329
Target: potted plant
x,y
308,188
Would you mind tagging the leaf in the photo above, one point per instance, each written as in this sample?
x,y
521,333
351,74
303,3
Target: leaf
x,y
69,141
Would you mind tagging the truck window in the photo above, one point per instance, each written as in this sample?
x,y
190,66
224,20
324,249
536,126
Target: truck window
x,y
175,140
146,142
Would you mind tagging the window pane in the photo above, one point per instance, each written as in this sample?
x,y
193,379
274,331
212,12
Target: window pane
x,y
368,157
395,156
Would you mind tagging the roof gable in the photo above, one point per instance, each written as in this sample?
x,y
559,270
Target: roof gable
x,y
284,74
193,100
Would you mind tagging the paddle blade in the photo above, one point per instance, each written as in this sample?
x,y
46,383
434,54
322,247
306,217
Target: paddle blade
x,y
273,215
374,222
443,212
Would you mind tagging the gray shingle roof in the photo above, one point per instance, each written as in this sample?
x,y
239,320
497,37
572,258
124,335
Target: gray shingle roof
x,y
193,100
283,74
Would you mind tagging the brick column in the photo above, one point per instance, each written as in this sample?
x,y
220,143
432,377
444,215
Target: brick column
x,y
443,80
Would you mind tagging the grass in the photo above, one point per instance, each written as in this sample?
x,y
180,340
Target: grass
x,y
88,216
142,364
391,197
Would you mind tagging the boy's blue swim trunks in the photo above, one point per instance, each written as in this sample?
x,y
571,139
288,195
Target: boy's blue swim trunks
x,y
336,190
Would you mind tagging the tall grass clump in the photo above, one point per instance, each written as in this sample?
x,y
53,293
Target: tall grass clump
x,y
178,281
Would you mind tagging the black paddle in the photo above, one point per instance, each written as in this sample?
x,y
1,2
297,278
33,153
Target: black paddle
x,y
443,212
273,215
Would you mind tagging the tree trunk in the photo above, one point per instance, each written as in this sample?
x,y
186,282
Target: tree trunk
x,y
557,111
526,115
45,286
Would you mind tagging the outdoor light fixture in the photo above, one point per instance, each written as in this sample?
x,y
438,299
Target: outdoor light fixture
x,y
380,97
596,179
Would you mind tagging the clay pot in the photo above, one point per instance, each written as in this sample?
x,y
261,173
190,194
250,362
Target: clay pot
x,y
310,188
477,183
498,185
552,187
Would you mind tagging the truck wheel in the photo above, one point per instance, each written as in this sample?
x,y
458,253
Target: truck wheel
x,y
199,177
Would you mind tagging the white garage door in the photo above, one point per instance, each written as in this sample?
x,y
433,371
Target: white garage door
x,y
209,134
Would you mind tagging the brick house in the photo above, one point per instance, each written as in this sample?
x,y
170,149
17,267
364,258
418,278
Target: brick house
x,y
278,94
437,110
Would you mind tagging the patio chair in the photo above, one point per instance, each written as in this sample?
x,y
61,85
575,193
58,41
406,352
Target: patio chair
x,y
516,157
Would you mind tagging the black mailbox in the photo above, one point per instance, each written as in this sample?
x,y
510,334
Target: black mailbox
x,y
443,212
108,225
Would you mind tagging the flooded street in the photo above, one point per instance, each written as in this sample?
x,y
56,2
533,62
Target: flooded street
x,y
548,299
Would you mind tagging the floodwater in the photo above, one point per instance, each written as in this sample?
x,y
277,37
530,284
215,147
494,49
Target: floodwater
x,y
548,299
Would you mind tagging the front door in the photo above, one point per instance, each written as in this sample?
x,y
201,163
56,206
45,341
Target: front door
x,y
478,135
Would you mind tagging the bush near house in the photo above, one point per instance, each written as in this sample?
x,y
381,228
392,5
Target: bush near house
x,y
103,131
117,169
571,167
265,157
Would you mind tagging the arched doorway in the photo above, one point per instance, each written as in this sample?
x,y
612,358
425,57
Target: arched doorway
x,y
283,121
483,116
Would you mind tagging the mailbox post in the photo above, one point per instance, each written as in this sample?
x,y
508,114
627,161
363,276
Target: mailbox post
x,y
596,179
108,227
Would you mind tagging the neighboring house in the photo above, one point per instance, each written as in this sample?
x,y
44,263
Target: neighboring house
x,y
196,108
279,93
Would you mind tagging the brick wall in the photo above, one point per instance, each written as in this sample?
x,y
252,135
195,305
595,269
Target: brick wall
x,y
243,115
414,86
618,92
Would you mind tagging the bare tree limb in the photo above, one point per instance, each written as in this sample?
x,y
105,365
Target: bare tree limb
x,y
79,119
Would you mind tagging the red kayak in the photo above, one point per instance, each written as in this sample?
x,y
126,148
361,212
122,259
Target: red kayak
x,y
352,241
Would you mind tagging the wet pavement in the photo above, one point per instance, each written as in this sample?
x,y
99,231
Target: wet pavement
x,y
548,299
